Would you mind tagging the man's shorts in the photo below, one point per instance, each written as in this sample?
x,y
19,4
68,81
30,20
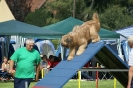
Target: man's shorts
x,y
22,82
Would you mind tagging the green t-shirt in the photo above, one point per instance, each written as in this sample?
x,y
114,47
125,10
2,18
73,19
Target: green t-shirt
x,y
26,61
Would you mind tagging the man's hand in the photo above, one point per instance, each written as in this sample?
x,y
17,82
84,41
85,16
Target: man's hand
x,y
128,86
11,67
11,71
37,72
36,78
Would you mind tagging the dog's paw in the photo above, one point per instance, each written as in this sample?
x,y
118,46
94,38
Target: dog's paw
x,y
93,41
96,40
69,58
79,52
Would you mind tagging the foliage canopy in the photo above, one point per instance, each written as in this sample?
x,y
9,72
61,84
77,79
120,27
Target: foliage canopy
x,y
113,14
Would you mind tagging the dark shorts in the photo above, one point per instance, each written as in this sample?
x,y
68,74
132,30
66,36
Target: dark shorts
x,y
22,82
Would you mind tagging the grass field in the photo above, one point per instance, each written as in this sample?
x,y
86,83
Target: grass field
x,y
74,84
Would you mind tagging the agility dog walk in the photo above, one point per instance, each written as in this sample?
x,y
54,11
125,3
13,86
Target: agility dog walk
x,y
65,70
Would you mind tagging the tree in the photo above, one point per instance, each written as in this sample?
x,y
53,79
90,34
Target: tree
x,y
115,17
19,8
63,8
39,17
113,14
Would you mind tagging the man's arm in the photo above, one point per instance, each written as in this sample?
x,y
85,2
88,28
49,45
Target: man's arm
x,y
11,66
37,71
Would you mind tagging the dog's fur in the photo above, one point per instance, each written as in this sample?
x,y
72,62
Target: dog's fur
x,y
81,35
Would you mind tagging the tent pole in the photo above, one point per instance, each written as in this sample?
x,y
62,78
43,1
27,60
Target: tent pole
x,y
7,43
2,47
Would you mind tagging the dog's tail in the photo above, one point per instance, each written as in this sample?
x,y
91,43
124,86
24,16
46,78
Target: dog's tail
x,y
95,17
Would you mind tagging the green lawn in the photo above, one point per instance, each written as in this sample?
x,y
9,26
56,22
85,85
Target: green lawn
x,y
74,84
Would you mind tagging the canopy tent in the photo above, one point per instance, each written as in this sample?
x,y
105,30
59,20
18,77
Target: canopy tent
x,y
13,27
104,33
67,25
64,26
21,30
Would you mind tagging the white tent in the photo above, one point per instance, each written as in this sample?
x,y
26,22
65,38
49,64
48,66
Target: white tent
x,y
126,32
46,47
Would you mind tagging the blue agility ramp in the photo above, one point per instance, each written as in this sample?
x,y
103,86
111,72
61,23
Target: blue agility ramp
x,y
65,70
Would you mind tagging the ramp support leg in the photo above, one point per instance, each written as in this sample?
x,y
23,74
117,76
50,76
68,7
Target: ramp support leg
x,y
42,73
114,82
79,78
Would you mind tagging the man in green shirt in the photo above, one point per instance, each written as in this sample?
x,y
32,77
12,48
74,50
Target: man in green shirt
x,y
26,59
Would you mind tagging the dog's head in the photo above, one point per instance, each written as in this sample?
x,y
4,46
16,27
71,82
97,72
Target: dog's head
x,y
66,40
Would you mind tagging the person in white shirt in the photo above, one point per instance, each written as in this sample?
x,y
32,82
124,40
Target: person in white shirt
x,y
130,62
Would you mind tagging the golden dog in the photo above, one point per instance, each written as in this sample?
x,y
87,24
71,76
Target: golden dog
x,y
81,35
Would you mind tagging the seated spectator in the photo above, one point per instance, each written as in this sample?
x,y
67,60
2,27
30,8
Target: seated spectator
x,y
51,58
45,64
57,59
5,65
5,68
